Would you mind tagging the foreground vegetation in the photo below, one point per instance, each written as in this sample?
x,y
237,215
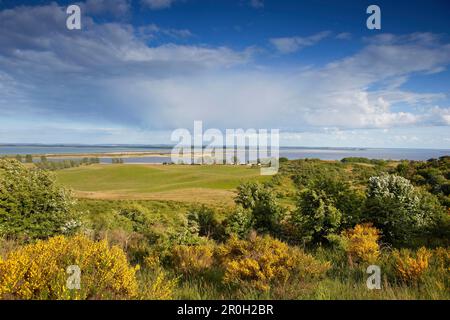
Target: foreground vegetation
x,y
310,232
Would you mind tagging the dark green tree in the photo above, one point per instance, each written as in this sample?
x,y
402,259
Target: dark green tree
x,y
32,204
260,200
316,216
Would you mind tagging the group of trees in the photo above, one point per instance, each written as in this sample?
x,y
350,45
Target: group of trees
x,y
46,164
405,214
65,164
433,175
28,158
117,160
32,204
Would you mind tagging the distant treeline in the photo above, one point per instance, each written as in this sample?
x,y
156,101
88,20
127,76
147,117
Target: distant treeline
x,y
64,164
44,163
364,160
117,160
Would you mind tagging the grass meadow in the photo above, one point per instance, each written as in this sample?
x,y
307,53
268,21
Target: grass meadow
x,y
182,183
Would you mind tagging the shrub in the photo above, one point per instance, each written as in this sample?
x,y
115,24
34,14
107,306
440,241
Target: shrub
x,y
136,245
32,204
410,268
362,243
239,223
266,213
432,174
248,194
38,271
398,209
441,257
139,216
191,260
347,200
206,221
152,261
316,216
262,262
155,284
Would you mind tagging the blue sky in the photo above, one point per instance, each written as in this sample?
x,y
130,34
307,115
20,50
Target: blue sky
x,y
139,69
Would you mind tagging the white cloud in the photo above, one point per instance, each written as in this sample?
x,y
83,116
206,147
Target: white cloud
x,y
108,75
292,44
152,30
115,7
344,36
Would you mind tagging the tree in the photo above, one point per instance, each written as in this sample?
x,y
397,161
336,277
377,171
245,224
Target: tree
x,y
399,209
32,204
29,158
239,223
347,200
206,222
248,194
316,216
266,213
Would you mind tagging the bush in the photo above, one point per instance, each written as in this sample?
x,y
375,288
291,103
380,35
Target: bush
x,y
410,268
347,200
400,210
206,221
433,174
361,243
266,213
316,216
32,204
139,216
156,285
154,281
441,257
238,223
38,271
191,260
263,262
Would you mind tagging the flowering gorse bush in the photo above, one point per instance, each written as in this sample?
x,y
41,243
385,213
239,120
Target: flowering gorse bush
x,y
38,270
441,257
155,284
261,262
192,259
361,243
410,268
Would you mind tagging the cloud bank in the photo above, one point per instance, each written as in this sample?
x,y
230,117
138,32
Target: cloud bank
x,y
113,75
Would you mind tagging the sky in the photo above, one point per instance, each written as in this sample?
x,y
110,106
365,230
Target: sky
x,y
139,69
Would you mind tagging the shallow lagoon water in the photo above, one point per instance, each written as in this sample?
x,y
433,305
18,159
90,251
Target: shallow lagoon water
x,y
288,152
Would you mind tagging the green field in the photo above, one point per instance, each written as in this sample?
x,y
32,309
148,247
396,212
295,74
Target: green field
x,y
208,183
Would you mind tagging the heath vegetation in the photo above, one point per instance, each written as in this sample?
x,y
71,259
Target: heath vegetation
x,y
309,232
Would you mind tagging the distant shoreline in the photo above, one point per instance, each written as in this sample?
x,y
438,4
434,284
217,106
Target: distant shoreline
x,y
163,153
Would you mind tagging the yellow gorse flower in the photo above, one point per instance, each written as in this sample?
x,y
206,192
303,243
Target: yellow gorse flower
x,y
38,270
192,259
262,261
412,268
361,243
